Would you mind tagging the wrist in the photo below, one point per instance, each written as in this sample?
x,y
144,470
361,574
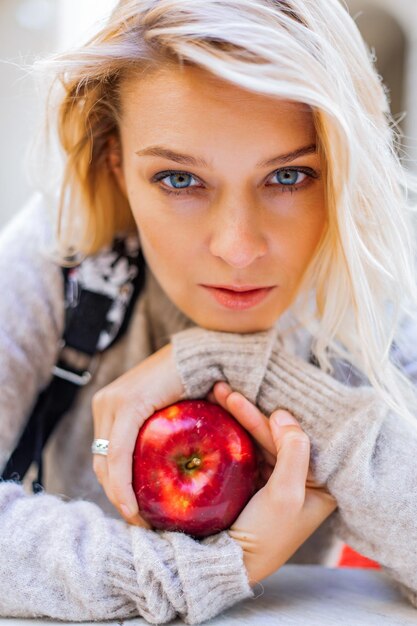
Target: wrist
x,y
249,559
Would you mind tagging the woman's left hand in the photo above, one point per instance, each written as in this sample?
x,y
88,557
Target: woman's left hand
x,y
257,424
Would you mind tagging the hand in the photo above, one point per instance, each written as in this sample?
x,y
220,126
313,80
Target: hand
x,y
119,410
284,512
249,416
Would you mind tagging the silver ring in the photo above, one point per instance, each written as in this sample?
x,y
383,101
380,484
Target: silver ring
x,y
100,446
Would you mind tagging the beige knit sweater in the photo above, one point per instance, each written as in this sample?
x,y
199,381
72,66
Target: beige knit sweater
x,y
66,553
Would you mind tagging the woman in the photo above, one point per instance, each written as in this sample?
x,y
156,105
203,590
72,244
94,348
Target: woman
x,y
289,189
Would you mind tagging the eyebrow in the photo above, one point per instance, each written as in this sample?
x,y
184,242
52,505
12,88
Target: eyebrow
x,y
187,159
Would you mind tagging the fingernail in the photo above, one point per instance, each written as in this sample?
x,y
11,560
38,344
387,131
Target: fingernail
x,y
284,418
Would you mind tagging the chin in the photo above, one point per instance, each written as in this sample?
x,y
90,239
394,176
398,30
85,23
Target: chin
x,y
243,327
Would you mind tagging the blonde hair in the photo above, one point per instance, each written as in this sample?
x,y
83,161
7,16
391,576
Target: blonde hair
x,y
308,51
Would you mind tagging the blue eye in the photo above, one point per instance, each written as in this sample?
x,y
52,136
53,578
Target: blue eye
x,y
182,178
290,177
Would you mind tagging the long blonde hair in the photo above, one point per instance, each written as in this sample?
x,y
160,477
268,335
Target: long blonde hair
x,y
308,51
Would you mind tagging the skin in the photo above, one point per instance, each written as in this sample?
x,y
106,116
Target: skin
x,y
240,224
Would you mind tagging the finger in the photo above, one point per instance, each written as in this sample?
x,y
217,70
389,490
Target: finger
x,y
100,469
217,397
103,420
251,418
265,456
122,442
310,481
221,391
293,455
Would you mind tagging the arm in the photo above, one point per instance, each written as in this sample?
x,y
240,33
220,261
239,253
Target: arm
x,y
91,567
31,318
360,449
67,560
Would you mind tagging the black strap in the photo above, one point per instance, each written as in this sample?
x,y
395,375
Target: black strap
x,y
83,326
83,330
53,402
86,321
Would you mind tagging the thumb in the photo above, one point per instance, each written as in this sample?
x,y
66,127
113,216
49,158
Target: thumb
x,y
293,454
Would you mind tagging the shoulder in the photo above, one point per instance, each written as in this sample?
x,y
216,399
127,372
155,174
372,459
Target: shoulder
x,y
31,282
33,222
297,340
29,235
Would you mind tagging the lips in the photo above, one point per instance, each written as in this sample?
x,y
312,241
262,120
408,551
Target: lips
x,y
238,300
238,288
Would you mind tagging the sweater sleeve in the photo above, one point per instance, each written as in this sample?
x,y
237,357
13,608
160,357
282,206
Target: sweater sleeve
x,y
31,317
359,448
68,561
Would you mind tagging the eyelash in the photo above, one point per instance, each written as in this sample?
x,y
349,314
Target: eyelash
x,y
282,188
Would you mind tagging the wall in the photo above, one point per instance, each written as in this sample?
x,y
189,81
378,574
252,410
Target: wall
x,y
390,26
30,29
23,34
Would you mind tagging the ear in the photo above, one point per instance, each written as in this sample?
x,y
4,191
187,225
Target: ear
x,y
115,162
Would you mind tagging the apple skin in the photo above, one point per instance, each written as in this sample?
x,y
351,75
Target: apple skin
x,y
194,468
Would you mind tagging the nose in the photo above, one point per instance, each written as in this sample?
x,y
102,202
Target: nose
x,y
237,236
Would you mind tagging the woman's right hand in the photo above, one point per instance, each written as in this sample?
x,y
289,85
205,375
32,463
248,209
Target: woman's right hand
x,y
119,410
284,512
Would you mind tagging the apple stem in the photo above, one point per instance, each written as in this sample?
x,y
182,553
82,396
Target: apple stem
x,y
192,463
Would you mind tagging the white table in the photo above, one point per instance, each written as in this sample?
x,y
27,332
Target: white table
x,y
304,595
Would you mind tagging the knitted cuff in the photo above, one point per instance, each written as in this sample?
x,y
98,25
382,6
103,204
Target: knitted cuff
x,y
204,357
212,573
177,575
122,577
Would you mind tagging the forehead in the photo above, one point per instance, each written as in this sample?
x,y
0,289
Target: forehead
x,y
191,97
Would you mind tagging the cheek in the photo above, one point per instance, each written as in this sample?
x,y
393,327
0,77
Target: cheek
x,y
164,228
303,226
300,241
165,240
312,233
319,221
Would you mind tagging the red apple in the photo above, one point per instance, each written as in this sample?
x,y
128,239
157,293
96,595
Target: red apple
x,y
194,468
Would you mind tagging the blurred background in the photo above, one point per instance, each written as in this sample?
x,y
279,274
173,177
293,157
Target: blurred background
x,y
31,29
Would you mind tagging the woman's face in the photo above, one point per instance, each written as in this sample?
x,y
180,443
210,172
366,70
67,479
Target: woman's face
x,y
226,188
